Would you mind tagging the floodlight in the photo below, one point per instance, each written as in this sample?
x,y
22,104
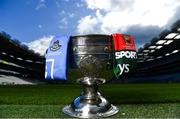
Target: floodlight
x,y
177,37
3,53
158,47
175,51
159,57
150,59
152,47
178,29
160,42
145,50
29,61
19,58
168,42
167,54
39,62
171,35
140,54
141,61
11,56
152,51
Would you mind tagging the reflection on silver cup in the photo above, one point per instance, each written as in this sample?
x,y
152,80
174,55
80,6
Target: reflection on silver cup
x,y
90,66
92,57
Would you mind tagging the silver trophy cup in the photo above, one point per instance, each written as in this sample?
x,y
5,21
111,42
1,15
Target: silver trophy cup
x,y
92,58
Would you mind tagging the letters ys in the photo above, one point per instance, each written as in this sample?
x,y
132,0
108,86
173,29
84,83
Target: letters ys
x,y
125,62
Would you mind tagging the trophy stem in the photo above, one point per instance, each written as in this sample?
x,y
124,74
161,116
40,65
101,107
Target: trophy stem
x,y
90,104
90,92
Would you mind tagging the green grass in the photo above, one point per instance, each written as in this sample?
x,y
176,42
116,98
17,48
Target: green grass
x,y
167,110
134,100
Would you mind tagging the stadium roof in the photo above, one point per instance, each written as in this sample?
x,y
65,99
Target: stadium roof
x,y
11,49
167,43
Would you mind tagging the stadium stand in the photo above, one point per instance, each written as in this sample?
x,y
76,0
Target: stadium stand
x,y
13,80
158,61
16,59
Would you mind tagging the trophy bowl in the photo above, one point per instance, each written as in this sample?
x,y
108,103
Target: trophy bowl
x,y
92,60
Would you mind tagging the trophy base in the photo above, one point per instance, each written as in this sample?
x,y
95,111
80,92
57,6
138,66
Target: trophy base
x,y
97,108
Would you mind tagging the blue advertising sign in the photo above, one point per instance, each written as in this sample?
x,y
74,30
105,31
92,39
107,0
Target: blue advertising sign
x,y
57,59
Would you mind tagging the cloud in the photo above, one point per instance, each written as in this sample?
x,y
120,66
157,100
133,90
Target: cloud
x,y
79,4
98,4
175,17
40,45
64,21
40,26
71,15
142,34
62,13
88,24
124,16
109,5
143,13
40,5
58,5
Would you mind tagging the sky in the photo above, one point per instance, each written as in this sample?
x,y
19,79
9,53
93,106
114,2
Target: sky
x,y
36,22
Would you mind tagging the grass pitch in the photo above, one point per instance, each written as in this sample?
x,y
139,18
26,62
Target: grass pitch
x,y
134,100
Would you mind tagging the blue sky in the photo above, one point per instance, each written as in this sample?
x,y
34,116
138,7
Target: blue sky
x,y
35,22
28,20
